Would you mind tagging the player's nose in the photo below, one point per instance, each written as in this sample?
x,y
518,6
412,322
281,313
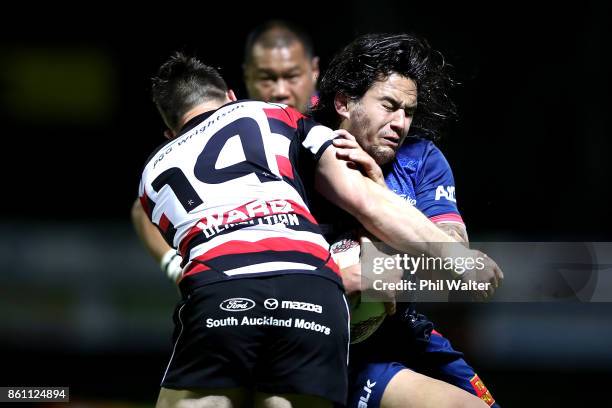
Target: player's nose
x,y
281,91
399,122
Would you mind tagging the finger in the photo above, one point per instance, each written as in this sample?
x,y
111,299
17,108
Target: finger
x,y
346,144
478,296
390,308
366,164
350,163
343,154
500,274
344,133
365,159
340,142
360,156
494,281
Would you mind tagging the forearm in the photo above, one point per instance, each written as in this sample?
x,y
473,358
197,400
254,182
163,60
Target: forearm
x,y
390,219
401,226
148,233
455,230
379,210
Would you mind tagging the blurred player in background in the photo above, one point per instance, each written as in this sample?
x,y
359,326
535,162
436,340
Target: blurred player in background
x,y
280,65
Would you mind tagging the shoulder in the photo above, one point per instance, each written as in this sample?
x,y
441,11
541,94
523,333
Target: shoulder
x,y
284,113
417,152
415,148
423,151
155,152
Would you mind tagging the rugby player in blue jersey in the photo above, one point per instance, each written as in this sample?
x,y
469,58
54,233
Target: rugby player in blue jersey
x,y
367,90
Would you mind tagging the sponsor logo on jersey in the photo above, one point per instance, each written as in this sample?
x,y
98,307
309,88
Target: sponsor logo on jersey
x,y
255,212
365,397
309,307
236,304
268,321
312,325
481,390
406,197
447,192
270,304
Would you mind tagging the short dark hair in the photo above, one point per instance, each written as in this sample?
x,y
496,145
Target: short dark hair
x,y
287,33
183,82
373,57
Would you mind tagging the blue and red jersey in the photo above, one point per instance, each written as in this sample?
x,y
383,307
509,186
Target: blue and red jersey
x,y
421,175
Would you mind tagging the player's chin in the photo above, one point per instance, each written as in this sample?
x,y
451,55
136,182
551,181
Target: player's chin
x,y
383,154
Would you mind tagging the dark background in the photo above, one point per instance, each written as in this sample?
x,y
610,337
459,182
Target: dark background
x,y
529,153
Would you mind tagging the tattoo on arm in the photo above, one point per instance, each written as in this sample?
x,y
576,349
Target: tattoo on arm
x,y
455,230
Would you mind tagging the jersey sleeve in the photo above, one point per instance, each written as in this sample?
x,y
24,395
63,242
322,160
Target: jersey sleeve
x,y
315,138
435,189
311,137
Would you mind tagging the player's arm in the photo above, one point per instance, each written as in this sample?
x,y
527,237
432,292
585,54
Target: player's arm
x,y
387,216
148,233
455,230
349,150
155,244
379,210
435,193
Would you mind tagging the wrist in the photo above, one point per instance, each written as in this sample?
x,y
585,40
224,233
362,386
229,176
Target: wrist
x,y
170,264
452,252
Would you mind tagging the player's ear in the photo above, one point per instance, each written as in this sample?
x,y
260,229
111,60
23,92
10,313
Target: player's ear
x,y
231,96
169,134
341,103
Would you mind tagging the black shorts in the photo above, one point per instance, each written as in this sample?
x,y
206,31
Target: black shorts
x,y
278,335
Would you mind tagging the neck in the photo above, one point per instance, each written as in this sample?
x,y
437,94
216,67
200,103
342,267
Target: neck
x,y
201,108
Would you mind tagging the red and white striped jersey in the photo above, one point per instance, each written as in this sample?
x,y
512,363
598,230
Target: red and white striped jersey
x,y
226,193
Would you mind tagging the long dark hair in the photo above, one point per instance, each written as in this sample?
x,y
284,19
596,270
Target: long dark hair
x,y
374,57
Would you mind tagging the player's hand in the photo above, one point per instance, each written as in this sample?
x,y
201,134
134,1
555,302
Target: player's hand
x,y
355,284
391,307
485,271
473,266
349,150
346,253
351,279
171,265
